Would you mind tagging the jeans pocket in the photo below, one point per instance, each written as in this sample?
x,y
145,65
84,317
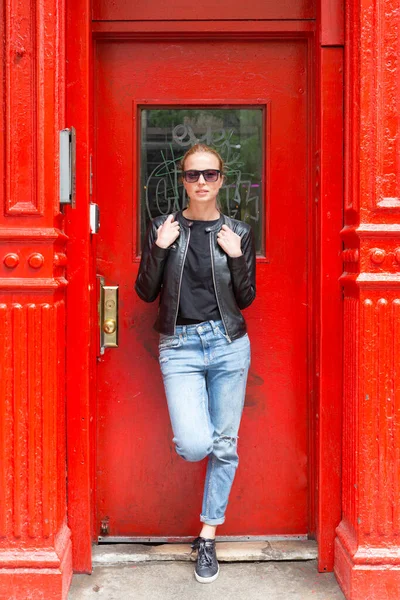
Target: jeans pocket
x,y
169,341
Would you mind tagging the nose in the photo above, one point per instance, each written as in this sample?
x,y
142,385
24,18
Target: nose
x,y
201,178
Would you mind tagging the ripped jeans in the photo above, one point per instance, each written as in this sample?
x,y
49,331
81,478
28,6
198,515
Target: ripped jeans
x,y
205,383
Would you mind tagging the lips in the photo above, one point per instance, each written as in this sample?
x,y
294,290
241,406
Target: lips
x,y
202,192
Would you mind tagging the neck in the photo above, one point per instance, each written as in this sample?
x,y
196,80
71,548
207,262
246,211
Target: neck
x,y
201,213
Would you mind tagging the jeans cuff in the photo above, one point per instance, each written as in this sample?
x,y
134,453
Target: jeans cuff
x,y
213,522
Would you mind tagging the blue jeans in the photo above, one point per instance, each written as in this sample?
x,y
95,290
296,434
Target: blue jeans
x,y
205,383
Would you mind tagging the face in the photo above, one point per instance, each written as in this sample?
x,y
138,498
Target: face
x,y
202,191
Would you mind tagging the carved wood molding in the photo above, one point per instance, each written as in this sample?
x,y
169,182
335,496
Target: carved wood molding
x,y
374,250
32,258
31,431
370,230
31,234
202,30
30,284
33,107
371,487
373,106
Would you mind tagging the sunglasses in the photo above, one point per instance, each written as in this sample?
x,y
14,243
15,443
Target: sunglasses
x,y
210,175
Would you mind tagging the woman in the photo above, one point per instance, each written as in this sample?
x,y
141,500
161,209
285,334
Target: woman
x,y
202,263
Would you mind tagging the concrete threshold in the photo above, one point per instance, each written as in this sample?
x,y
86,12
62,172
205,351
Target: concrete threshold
x,y
113,554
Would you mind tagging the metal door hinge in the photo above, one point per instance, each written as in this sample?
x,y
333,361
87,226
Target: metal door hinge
x,y
104,526
94,217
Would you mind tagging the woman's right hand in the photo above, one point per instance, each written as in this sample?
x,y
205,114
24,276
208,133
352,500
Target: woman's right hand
x,y
167,232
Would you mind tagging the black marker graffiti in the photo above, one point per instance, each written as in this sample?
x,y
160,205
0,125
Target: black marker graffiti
x,y
239,196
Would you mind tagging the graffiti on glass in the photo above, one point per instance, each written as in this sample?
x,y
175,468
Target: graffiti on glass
x,y
239,196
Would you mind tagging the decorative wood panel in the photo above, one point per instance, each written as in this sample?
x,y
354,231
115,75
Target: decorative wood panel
x,y
367,547
30,385
380,101
35,545
369,533
24,190
379,419
33,104
350,361
140,10
373,129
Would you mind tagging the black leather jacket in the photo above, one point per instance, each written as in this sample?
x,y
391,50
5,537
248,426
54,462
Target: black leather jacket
x,y
161,270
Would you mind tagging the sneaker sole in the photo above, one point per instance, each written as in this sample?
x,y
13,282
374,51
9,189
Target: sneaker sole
x,y
206,579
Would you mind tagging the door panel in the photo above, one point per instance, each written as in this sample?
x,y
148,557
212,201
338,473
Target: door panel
x,y
143,487
208,10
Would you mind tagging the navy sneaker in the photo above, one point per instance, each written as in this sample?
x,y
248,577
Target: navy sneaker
x,y
207,567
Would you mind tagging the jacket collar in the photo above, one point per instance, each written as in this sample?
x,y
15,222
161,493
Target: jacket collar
x,y
187,223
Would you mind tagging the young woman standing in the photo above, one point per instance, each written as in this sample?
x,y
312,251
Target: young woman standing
x,y
202,263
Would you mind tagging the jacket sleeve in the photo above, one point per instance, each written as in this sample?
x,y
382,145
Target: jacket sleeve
x,y
243,271
150,275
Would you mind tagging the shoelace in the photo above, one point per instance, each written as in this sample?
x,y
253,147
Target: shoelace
x,y
205,555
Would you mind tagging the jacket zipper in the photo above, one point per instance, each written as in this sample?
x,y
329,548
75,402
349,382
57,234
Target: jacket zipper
x,y
180,281
215,288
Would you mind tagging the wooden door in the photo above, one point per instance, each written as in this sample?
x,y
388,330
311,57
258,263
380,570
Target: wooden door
x,y
250,99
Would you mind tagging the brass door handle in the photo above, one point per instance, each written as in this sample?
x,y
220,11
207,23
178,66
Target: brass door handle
x,y
108,314
109,326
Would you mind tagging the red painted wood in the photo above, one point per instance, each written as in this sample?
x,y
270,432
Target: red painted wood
x,y
192,29
24,191
367,544
142,485
35,544
367,557
329,366
331,22
80,350
139,10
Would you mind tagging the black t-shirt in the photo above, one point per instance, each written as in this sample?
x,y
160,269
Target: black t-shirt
x,y
197,298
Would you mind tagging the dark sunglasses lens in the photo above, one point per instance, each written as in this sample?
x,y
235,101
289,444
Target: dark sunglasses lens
x,y
192,176
211,175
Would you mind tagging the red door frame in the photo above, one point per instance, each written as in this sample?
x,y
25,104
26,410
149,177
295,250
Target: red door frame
x,y
325,350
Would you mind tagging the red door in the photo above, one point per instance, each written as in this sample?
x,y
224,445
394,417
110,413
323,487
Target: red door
x,y
250,100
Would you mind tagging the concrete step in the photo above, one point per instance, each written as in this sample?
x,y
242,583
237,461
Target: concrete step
x,y
112,554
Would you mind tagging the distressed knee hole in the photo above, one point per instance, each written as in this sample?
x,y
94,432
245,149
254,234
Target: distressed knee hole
x,y
225,449
226,438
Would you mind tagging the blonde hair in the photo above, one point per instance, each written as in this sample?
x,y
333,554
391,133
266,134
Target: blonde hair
x,y
202,148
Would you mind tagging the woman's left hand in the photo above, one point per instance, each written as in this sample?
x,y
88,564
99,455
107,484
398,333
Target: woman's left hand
x,y
229,241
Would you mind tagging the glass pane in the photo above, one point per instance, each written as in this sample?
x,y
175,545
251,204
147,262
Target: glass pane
x,y
236,133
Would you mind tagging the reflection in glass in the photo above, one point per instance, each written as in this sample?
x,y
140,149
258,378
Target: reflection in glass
x,y
236,133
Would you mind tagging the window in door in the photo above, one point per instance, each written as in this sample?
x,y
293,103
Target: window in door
x,y
236,133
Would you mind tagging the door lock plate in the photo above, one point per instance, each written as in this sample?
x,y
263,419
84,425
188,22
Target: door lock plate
x,y
108,315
